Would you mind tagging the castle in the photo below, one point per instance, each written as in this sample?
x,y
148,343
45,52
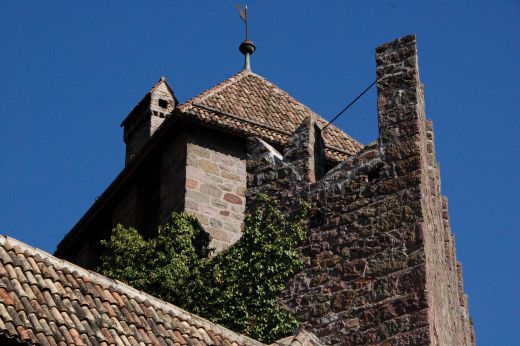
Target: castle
x,y
380,264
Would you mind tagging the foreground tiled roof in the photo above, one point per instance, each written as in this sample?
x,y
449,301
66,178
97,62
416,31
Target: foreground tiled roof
x,y
249,104
47,301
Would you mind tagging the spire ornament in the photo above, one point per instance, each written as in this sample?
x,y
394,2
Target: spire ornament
x,y
247,47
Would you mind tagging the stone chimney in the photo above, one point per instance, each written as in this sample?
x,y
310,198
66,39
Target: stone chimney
x,y
147,116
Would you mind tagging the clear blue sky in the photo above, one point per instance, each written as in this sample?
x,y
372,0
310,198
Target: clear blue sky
x,y
71,71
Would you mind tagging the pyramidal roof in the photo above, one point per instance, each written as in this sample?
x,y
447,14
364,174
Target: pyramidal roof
x,y
248,103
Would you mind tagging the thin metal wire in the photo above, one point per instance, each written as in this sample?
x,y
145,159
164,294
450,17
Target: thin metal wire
x,y
350,104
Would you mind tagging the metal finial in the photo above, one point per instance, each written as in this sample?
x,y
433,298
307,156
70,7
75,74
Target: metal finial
x,y
247,47
243,14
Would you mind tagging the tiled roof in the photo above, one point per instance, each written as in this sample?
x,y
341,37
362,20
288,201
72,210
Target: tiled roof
x,y
247,103
48,301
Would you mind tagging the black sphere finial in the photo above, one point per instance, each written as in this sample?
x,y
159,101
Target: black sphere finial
x,y
247,47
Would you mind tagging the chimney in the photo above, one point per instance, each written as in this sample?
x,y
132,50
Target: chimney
x,y
147,116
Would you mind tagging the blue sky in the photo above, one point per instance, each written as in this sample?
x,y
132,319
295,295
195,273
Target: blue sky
x,y
70,72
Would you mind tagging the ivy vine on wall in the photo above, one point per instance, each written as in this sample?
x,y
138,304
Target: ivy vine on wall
x,y
238,288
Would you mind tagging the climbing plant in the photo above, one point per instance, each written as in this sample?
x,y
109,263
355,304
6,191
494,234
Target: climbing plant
x,y
238,288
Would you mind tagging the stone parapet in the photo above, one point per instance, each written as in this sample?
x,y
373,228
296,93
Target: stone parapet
x,y
380,263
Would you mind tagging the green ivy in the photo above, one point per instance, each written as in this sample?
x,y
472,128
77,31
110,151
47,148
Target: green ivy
x,y
238,288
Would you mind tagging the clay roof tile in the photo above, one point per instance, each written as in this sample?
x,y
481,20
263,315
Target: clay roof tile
x,y
58,303
249,104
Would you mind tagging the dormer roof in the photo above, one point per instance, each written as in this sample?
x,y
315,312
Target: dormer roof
x,y
249,104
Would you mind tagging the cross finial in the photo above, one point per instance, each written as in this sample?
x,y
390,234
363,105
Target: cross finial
x,y
247,47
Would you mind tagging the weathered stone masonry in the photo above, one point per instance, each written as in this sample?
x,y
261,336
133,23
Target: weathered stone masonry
x,y
147,116
216,186
194,172
380,264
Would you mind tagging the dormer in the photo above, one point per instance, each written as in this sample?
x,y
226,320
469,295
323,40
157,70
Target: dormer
x,y
147,116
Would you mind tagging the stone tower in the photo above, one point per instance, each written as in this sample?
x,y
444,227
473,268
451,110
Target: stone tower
x,y
380,263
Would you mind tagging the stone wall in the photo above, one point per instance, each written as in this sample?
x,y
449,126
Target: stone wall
x,y
216,186
125,211
173,177
136,135
156,190
195,171
144,201
380,263
444,281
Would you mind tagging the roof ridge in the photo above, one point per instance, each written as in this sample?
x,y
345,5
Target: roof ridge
x,y
251,98
286,93
224,84
10,243
319,117
156,85
146,97
218,87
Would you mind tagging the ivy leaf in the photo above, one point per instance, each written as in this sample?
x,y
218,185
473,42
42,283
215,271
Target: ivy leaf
x,y
238,288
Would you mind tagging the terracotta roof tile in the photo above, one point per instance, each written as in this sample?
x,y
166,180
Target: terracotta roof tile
x,y
249,104
44,300
48,301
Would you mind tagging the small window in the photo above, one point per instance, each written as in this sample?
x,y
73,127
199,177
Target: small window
x,y
163,103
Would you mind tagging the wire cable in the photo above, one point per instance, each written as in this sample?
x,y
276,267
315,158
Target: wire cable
x,y
350,104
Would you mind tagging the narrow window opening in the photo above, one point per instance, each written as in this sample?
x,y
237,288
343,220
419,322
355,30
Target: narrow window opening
x,y
163,103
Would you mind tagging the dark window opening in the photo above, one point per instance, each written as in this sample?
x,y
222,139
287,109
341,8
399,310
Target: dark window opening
x,y
163,103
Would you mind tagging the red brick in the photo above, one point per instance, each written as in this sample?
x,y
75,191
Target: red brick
x,y
191,184
231,198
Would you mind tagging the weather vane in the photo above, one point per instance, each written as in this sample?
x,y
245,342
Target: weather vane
x,y
243,14
247,47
